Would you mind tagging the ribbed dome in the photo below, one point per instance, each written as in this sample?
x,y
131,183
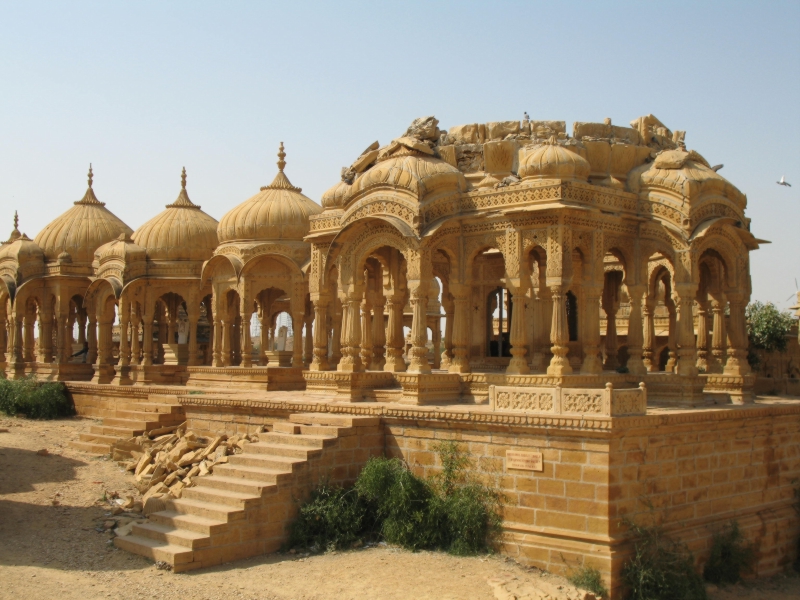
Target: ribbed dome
x,y
420,174
552,161
278,212
181,232
21,249
123,248
81,230
337,195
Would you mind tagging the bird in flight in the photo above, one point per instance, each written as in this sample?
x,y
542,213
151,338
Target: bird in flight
x,y
783,181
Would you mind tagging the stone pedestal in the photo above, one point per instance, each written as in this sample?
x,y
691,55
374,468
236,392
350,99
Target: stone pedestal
x,y
352,386
279,358
429,388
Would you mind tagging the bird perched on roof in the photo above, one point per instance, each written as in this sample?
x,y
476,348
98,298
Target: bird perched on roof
x,y
525,116
783,181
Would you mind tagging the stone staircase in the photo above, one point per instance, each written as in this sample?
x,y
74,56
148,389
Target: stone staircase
x,y
244,508
129,419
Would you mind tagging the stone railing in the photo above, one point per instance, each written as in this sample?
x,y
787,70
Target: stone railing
x,y
608,402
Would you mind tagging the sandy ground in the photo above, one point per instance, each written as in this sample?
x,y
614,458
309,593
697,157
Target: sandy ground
x,y
51,509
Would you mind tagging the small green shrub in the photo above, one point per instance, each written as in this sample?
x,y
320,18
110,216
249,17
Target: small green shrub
x,y
661,568
451,511
730,556
34,399
589,578
333,518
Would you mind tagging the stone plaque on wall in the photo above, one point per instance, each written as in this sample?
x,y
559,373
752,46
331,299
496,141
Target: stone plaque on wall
x,y
524,461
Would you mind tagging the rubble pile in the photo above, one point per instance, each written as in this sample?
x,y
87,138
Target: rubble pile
x,y
165,461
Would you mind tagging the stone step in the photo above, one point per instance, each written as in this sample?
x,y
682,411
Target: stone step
x,y
224,497
120,432
163,419
133,424
163,399
334,420
156,550
235,484
250,473
302,452
91,447
176,537
209,510
312,441
284,427
326,430
176,520
98,438
164,409
265,461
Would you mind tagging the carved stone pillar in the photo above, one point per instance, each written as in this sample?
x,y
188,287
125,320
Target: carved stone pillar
x,y
559,332
518,365
672,336
45,336
217,335
704,365
3,338
351,334
592,365
336,333
635,333
419,331
225,356
308,340
17,356
437,344
263,317
718,337
610,306
737,364
192,318
124,325
649,357
236,340
378,333
687,349
297,345
319,361
61,337
395,341
366,332
447,352
82,327
460,360
147,339
27,332
91,357
103,339
246,341
543,317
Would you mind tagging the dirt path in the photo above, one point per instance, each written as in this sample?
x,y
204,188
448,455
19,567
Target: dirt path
x,y
51,508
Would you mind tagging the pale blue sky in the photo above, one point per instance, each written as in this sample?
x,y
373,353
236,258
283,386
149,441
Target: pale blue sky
x,y
141,89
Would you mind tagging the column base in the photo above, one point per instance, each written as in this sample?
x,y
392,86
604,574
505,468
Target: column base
x,y
352,387
104,374
429,388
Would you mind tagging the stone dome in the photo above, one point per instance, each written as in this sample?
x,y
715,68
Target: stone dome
x,y
81,230
21,249
123,249
420,174
278,212
181,232
553,161
337,195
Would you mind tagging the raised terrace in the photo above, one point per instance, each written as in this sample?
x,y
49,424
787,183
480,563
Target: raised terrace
x,y
570,307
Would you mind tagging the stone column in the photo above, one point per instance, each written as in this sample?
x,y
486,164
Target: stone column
x,y
419,331
147,339
82,327
460,360
518,365
103,345
319,361
161,337
297,347
447,353
437,344
17,356
635,333
61,342
559,332
687,349
263,316
216,337
610,306
718,337
703,355
672,337
3,337
236,340
336,332
225,335
542,321
737,337
136,347
91,357
246,342
395,341
592,365
27,342
378,333
366,332
124,322
649,358
351,334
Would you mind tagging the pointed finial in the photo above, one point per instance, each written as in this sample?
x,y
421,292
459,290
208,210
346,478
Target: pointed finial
x,y
90,175
16,220
183,178
281,157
